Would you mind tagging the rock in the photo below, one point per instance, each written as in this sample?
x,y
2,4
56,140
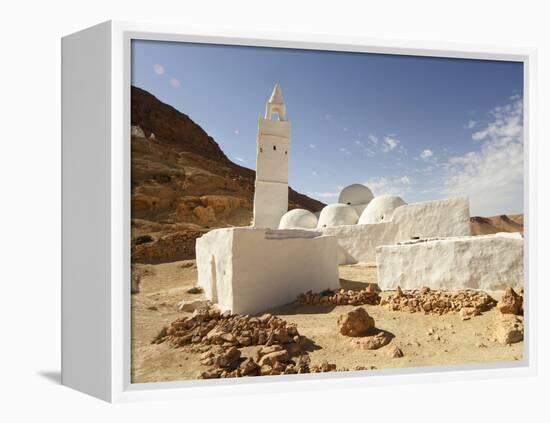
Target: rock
x,y
274,357
211,374
398,292
266,370
509,329
228,359
325,366
373,342
193,305
396,352
355,322
511,303
249,367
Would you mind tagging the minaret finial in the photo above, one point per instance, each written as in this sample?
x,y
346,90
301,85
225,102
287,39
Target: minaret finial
x,y
276,104
277,95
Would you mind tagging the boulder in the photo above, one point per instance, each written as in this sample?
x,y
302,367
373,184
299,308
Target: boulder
x,y
355,322
511,303
509,329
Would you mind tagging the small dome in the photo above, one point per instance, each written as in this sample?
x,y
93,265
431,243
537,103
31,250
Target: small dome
x,y
380,209
298,219
356,195
337,215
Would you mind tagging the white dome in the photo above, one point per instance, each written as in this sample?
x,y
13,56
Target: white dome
x,y
337,215
380,209
356,195
298,219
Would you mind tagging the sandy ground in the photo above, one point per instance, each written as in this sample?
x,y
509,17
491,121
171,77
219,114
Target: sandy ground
x,y
425,340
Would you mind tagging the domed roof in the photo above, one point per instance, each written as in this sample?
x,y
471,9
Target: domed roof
x,y
355,194
380,209
298,219
337,215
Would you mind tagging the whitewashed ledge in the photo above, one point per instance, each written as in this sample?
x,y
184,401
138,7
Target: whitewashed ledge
x,y
487,262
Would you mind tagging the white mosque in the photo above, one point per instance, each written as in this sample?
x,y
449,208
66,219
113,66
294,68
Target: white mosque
x,y
284,253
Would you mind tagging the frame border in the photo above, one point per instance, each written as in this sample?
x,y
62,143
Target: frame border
x,y
122,390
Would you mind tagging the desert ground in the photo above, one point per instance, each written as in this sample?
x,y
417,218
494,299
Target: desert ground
x,y
424,339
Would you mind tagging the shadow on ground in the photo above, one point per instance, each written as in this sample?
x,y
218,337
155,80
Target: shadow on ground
x,y
53,376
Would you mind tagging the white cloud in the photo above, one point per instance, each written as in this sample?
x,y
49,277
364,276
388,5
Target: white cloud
x,y
240,159
368,152
236,131
391,144
314,173
405,180
175,82
328,116
158,69
312,146
470,124
344,150
493,176
392,186
373,139
426,154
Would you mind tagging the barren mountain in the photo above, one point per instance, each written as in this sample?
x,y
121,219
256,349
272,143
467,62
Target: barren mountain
x,y
494,224
183,184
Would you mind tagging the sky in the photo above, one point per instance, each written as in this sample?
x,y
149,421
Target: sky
x,y
423,128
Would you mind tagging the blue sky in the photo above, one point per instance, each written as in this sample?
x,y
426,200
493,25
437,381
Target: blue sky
x,y
422,128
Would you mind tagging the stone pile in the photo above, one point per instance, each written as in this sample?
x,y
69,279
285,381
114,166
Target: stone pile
x,y
269,361
211,327
467,302
342,297
511,302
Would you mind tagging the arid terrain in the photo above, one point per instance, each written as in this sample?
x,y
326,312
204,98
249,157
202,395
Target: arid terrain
x,y
424,339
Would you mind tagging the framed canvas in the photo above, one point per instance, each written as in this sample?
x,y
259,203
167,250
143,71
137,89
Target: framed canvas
x,y
264,212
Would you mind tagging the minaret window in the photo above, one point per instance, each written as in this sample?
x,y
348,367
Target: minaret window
x,y
274,148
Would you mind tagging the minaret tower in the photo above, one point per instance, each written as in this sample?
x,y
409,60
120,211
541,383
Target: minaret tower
x,y
272,152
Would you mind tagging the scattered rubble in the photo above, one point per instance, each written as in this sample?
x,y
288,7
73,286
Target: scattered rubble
x,y
509,329
355,322
209,326
367,295
273,360
468,302
511,303
218,337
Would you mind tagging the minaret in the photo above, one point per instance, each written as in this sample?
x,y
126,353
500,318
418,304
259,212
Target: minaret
x,y
272,151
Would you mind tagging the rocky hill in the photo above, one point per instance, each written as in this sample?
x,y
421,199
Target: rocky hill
x,y
494,224
183,184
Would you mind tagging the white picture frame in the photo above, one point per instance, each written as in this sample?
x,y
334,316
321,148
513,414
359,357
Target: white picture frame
x,y
96,213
